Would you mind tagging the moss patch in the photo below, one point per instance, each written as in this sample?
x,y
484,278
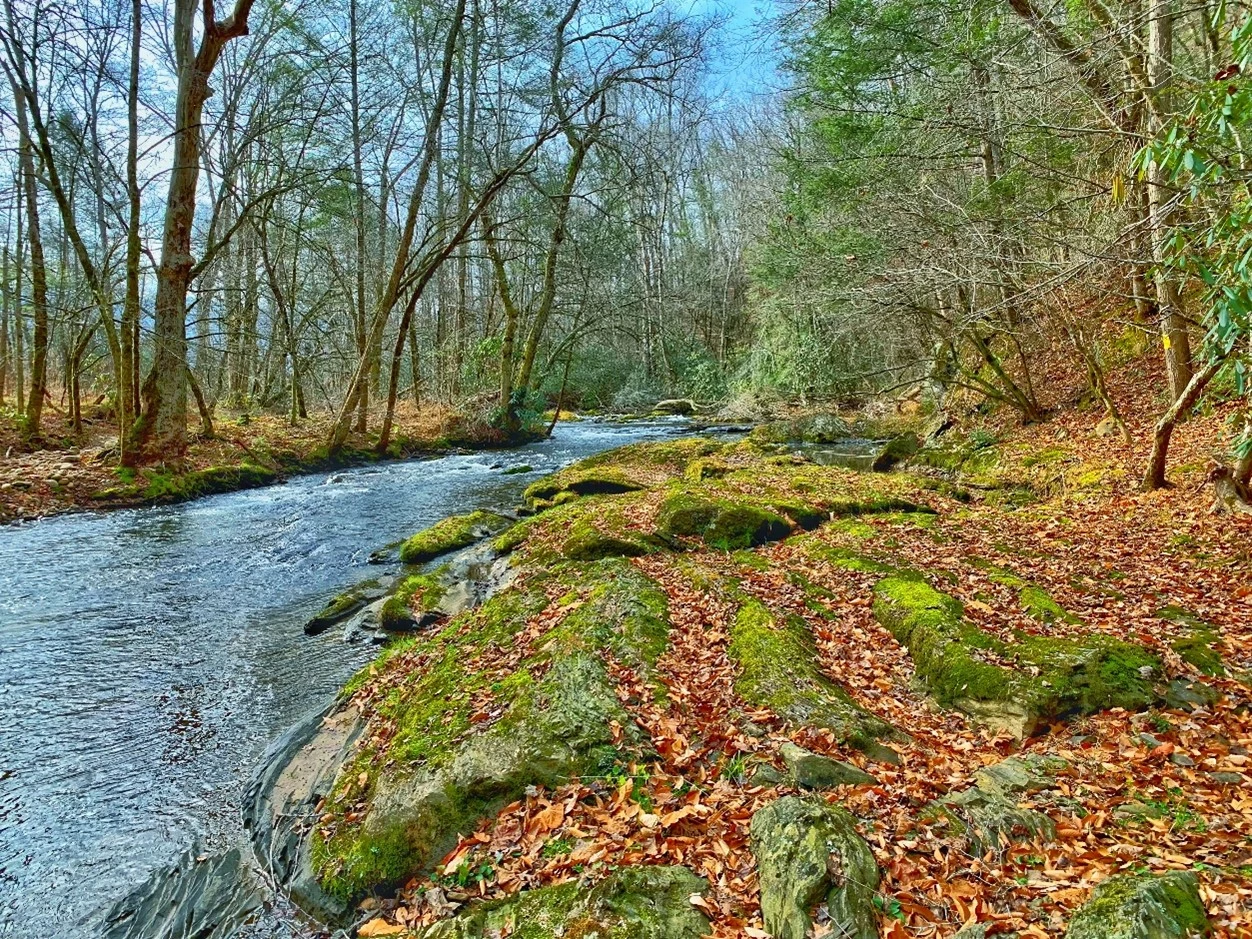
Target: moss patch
x,y
631,903
1021,686
471,727
456,531
721,523
415,595
777,670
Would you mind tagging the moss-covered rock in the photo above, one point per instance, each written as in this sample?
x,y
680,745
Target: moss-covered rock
x,y
809,854
990,822
814,771
722,523
988,814
1142,906
456,531
582,481
895,451
588,542
1019,687
414,597
1202,646
631,903
813,428
340,607
465,738
778,670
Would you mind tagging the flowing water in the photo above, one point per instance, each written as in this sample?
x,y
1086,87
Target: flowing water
x,y
148,656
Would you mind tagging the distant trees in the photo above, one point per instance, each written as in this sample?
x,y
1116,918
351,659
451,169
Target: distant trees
x,y
952,173
333,206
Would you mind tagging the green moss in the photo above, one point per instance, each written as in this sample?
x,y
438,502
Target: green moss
x,y
466,738
1142,906
701,469
777,670
1203,649
1043,679
163,486
1049,456
456,531
588,542
415,595
650,902
844,558
1038,603
720,522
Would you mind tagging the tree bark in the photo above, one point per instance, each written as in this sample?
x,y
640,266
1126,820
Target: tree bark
x,y
1154,476
1169,301
38,273
162,429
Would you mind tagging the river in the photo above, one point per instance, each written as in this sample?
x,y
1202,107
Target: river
x,y
148,656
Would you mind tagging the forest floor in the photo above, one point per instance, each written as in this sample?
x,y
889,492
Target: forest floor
x,y
1052,544
74,473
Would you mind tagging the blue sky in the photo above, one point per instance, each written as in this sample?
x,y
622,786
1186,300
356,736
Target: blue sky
x,y
745,64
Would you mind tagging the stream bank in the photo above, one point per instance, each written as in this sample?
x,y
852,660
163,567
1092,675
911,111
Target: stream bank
x,y
714,667
150,655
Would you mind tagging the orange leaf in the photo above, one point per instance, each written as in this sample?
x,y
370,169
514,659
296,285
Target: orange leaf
x,y
379,927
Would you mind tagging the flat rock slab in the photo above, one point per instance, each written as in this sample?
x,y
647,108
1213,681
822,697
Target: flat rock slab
x,y
200,897
813,771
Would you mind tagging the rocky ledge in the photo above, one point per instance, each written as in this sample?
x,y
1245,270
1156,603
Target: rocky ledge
x,y
638,710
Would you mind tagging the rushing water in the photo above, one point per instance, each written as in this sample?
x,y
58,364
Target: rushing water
x,y
148,656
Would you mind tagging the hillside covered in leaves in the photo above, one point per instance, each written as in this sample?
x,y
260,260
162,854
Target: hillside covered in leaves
x,y
720,689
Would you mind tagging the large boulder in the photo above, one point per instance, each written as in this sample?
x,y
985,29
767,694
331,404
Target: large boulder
x,y
1142,906
722,523
809,855
463,738
989,815
631,903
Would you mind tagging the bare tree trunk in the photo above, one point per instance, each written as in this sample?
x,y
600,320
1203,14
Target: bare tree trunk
x,y
359,386
1173,317
19,327
162,428
127,413
38,272
5,304
1154,477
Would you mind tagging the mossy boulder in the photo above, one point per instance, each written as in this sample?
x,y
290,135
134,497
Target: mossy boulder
x,y
809,855
581,480
414,598
990,822
456,531
587,541
895,451
778,671
722,523
631,903
989,815
1020,687
701,469
1142,906
340,607
813,428
465,738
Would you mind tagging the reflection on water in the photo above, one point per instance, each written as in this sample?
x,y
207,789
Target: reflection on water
x,y
148,656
